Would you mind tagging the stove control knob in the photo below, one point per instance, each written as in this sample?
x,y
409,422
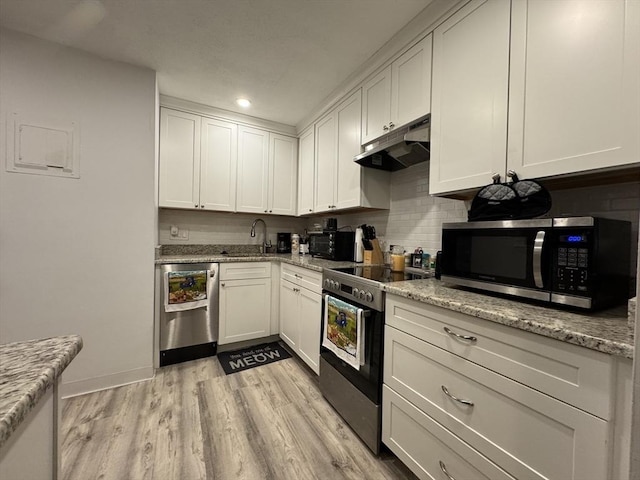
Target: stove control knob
x,y
355,292
369,297
337,286
332,284
361,295
327,283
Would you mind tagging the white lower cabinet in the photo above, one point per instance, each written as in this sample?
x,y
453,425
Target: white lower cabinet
x,y
445,400
427,448
300,312
245,301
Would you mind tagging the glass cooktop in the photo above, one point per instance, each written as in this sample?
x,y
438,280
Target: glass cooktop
x,y
384,274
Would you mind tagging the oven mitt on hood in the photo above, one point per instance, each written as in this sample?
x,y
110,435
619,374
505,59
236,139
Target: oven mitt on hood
x,y
518,199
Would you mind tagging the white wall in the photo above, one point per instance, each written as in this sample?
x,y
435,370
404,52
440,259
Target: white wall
x,y
76,255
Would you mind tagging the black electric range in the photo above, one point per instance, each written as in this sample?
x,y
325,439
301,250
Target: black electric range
x,y
364,283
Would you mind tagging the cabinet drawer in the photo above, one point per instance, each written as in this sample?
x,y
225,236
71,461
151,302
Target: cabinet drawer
x,y
302,277
422,443
528,433
576,375
244,270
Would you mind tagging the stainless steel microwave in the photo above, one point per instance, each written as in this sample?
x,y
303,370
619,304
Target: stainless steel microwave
x,y
581,262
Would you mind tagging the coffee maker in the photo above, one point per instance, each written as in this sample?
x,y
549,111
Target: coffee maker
x,y
284,242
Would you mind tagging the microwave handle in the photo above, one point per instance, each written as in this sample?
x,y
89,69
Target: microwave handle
x,y
538,244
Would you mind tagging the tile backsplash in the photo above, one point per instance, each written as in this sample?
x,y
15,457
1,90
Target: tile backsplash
x,y
413,220
222,228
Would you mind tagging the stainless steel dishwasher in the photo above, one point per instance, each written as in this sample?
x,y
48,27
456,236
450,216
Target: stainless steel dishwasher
x,y
191,332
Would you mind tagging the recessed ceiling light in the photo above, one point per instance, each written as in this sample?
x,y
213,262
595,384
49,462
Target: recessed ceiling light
x,y
243,102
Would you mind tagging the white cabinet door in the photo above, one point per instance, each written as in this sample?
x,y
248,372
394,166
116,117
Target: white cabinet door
x,y
411,83
179,172
574,95
283,174
348,116
253,170
325,163
289,314
309,315
219,157
306,172
376,106
245,309
469,96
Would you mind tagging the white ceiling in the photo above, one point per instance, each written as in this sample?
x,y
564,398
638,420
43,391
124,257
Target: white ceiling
x,y
284,55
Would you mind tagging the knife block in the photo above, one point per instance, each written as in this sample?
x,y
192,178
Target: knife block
x,y
373,257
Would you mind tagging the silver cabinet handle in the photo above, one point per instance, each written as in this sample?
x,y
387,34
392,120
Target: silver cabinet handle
x,y
222,284
469,403
201,206
537,258
391,125
468,338
443,467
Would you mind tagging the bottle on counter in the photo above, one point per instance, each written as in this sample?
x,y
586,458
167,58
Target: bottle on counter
x,y
295,244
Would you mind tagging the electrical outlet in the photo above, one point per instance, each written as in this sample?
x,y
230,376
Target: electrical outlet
x,y
174,230
183,234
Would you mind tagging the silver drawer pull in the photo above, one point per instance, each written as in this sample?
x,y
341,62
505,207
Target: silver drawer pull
x,y
468,338
459,400
444,470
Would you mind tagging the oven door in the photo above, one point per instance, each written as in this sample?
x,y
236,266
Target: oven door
x,y
511,257
338,349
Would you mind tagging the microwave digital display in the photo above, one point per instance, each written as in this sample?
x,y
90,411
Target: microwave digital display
x,y
573,238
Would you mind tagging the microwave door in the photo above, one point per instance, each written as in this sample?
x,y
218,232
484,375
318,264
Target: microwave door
x,y
510,261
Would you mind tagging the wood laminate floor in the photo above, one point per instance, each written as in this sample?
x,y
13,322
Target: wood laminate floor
x,y
194,422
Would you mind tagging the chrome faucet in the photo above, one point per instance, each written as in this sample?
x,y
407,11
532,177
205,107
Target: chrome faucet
x,y
265,244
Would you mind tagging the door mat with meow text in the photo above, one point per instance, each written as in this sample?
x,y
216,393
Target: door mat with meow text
x,y
244,359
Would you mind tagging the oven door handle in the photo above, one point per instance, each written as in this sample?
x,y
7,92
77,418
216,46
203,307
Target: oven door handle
x,y
538,244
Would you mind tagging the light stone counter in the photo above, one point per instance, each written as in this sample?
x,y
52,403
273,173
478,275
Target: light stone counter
x,y
606,331
305,261
27,370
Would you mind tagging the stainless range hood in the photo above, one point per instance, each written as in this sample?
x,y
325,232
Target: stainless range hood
x,y
401,151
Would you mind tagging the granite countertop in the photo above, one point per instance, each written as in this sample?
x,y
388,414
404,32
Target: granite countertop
x,y
607,331
27,370
306,261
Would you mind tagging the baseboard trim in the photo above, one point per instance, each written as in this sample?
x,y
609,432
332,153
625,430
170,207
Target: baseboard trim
x,y
81,387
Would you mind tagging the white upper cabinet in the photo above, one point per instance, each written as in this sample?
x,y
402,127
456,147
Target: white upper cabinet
x,y
348,173
376,109
340,182
283,174
197,162
179,173
399,94
267,172
469,96
411,83
306,171
574,91
570,70
218,160
253,169
325,163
